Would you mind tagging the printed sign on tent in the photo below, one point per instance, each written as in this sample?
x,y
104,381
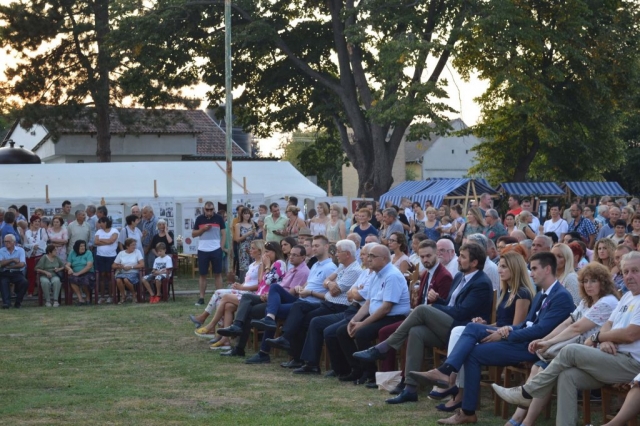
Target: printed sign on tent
x,y
163,209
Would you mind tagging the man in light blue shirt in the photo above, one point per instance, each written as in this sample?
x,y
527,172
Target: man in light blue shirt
x,y
12,263
310,295
388,303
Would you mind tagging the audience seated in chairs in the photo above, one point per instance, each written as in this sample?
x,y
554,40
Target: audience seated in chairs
x,y
471,295
12,264
49,266
129,263
609,356
80,272
162,266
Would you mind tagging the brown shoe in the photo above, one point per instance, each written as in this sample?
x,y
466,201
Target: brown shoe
x,y
459,418
430,377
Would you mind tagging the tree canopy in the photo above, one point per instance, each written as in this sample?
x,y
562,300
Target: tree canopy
x,y
562,77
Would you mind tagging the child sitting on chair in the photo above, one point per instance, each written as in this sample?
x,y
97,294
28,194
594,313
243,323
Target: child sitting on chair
x,y
161,270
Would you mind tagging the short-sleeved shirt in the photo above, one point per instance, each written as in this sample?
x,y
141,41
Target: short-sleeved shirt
x,y
271,225
364,234
151,226
584,228
626,313
128,259
79,262
136,234
346,277
108,250
504,313
318,273
495,231
363,284
598,314
46,264
9,229
92,221
389,285
76,232
209,240
18,253
559,227
162,263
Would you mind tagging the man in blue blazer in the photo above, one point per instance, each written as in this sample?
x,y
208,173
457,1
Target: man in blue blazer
x,y
471,296
485,345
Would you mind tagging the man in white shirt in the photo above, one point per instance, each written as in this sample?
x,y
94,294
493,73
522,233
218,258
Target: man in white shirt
x,y
556,224
447,255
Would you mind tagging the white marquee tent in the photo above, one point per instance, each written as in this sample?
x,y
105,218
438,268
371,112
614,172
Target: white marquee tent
x,y
120,183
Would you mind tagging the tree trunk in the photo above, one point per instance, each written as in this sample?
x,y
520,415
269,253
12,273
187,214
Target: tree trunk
x,y
102,93
527,156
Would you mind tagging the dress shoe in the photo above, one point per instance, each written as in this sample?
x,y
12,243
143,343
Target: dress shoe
x,y
369,355
259,358
354,375
231,331
233,352
279,343
330,373
265,324
512,395
454,407
435,395
371,384
403,397
430,377
307,369
459,418
364,379
294,363
195,321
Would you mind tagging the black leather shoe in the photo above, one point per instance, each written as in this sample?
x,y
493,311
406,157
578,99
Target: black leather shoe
x,y
233,352
369,355
307,369
403,397
259,358
231,331
280,343
351,377
294,363
264,324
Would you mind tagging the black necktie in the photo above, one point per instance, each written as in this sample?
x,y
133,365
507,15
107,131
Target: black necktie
x,y
425,289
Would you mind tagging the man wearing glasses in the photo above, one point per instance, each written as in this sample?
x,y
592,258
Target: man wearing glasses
x,y
447,255
12,263
210,229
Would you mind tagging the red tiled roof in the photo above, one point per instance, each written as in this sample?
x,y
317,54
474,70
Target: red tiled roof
x,y
209,136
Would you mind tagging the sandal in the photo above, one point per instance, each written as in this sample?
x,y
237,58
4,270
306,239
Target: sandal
x,y
513,422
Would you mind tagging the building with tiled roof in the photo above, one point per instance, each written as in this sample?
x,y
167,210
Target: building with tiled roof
x,y
136,135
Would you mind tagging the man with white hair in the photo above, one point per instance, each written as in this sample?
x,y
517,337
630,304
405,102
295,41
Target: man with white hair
x,y
447,255
518,235
391,224
490,268
609,227
540,244
495,228
357,239
332,300
12,264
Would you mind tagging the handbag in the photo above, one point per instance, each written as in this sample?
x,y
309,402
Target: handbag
x,y
554,350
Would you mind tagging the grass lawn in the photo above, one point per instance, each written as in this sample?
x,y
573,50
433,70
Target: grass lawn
x,y
142,365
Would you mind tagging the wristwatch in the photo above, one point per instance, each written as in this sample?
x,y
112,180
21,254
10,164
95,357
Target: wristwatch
x,y
594,337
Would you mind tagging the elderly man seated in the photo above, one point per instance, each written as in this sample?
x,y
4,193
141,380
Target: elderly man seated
x,y
12,264
614,357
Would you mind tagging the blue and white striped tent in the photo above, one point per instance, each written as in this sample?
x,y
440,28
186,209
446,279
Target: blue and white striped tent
x,y
532,189
436,190
596,189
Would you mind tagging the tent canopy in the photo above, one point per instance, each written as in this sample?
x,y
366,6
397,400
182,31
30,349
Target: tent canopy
x,y
596,189
532,188
436,190
186,181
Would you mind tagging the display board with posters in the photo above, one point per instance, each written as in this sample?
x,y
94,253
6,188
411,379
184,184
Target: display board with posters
x,y
54,208
162,209
116,213
252,201
189,213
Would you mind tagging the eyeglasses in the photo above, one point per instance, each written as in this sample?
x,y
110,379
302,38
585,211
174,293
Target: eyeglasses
x,y
392,241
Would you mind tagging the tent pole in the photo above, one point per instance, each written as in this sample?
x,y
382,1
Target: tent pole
x,y
244,184
155,188
466,198
46,194
473,187
229,129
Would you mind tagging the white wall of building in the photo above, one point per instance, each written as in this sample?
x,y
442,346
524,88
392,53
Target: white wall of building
x,y
450,156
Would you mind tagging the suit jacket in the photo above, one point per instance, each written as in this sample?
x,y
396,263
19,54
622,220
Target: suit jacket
x,y
475,299
440,283
555,309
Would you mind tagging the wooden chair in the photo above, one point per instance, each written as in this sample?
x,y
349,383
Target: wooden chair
x,y
115,291
168,282
608,392
65,287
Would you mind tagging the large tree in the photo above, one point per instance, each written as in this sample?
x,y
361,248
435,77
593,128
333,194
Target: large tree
x,y
372,68
562,75
68,65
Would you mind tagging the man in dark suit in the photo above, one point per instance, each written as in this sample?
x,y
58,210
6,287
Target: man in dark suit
x,y
471,296
485,345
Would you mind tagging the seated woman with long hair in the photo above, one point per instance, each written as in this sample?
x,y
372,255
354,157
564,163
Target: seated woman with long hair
x,y
251,280
605,253
598,300
514,300
273,270
80,271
